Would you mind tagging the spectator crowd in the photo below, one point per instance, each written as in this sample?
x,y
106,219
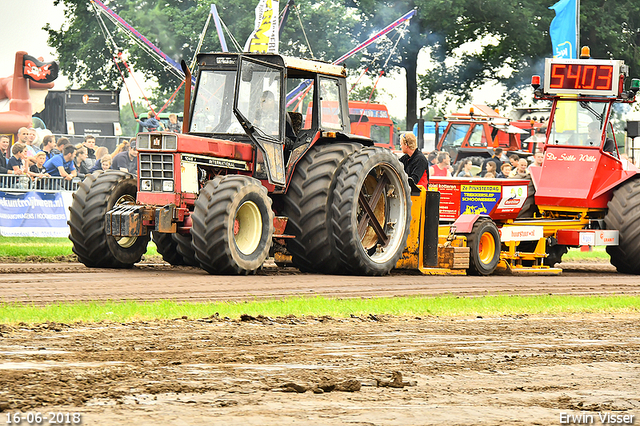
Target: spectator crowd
x,y
59,158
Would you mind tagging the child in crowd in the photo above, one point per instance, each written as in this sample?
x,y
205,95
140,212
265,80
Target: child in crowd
x,y
37,170
105,162
16,162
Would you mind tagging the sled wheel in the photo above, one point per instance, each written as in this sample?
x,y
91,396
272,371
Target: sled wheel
x,y
484,247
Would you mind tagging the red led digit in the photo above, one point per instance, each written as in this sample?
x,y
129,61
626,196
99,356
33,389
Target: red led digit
x,y
573,76
557,76
603,77
588,80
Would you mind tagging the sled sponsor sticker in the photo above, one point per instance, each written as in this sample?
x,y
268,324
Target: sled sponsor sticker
x,y
521,233
513,197
478,199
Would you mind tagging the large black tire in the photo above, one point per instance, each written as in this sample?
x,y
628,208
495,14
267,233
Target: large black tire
x,y
624,215
232,225
175,249
96,195
185,248
166,246
308,207
529,208
365,253
484,247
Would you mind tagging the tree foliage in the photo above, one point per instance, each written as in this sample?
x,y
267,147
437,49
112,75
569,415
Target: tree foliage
x,y
174,26
469,42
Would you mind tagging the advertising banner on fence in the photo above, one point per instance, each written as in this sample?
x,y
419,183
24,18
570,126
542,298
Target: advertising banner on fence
x,y
34,214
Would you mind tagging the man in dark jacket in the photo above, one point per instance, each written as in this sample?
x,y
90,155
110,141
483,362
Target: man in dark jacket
x,y
126,161
497,153
414,161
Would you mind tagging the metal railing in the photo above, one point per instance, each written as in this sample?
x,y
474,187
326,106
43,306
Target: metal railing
x,y
23,183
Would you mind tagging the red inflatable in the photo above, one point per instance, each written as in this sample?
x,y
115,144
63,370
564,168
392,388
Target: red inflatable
x,y
28,72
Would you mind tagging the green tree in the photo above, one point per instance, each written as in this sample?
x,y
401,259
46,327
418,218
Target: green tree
x,y
174,26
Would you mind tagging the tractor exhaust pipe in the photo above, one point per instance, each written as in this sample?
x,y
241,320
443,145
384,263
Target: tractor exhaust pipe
x,y
187,96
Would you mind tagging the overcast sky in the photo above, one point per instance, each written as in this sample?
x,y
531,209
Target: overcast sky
x,y
21,29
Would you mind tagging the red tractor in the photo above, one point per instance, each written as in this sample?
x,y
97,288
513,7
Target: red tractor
x,y
474,135
247,170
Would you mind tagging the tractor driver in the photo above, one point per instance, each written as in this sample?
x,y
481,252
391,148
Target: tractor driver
x,y
415,163
267,117
594,139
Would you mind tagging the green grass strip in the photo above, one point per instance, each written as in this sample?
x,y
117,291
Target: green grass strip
x,y
447,306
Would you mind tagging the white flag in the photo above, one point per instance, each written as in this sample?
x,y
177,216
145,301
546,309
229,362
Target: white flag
x,y
264,37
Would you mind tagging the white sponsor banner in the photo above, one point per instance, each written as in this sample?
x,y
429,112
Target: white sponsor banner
x,y
600,237
521,233
35,214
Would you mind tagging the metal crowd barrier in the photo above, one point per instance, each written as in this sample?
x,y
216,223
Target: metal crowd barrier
x,y
23,183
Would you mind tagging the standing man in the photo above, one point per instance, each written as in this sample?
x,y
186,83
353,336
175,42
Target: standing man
x,y
61,165
90,144
538,158
497,153
126,161
4,146
48,145
414,161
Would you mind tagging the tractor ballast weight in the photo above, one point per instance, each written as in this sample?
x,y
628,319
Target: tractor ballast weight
x,y
250,169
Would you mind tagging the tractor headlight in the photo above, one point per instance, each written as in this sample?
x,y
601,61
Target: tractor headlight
x,y
145,185
170,142
143,141
167,185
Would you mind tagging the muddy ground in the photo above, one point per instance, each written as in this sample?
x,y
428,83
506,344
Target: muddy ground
x,y
369,370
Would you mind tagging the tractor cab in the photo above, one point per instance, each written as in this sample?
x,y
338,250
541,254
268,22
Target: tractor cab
x,y
259,99
581,150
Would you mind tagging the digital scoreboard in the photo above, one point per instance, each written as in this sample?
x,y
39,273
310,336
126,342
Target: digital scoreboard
x,y
582,77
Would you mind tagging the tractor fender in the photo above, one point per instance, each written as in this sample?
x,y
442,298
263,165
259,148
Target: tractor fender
x,y
614,180
464,223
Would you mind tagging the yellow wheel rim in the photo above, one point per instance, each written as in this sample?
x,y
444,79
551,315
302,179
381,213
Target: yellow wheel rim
x,y
247,227
486,248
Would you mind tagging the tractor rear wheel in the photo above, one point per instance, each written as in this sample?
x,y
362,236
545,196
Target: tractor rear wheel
x,y
371,210
308,207
175,248
167,248
484,247
232,225
624,215
96,195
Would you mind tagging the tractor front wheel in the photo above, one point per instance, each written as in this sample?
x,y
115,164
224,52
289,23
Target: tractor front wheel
x,y
624,215
232,225
96,195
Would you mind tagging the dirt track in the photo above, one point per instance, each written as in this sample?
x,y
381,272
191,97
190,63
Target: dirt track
x,y
466,371
45,283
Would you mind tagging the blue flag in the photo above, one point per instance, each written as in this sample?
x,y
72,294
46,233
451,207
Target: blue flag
x,y
563,29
